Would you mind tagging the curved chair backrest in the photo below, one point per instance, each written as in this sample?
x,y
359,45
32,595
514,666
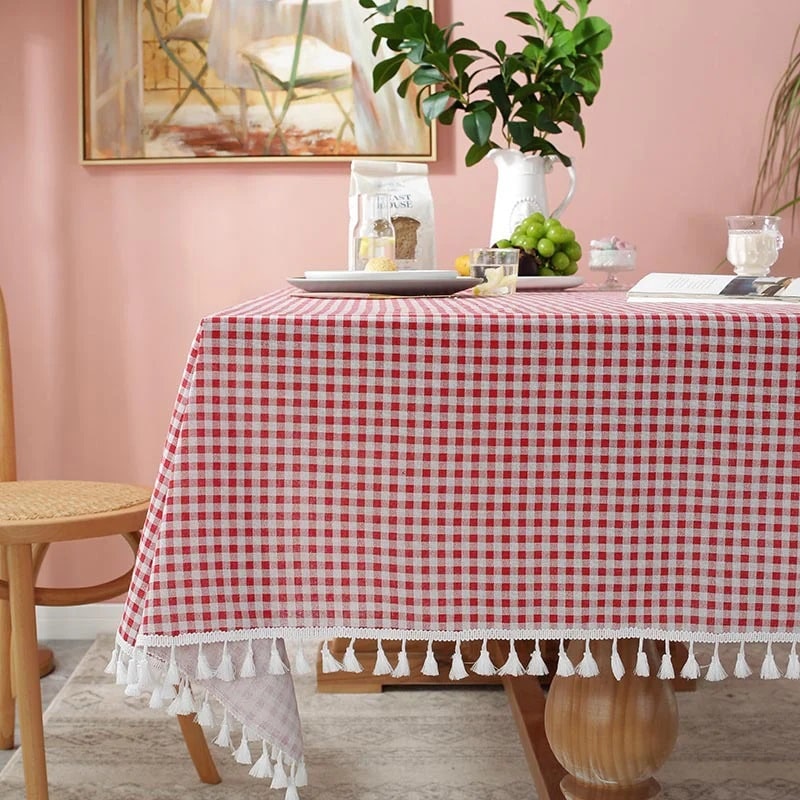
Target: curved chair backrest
x,y
8,451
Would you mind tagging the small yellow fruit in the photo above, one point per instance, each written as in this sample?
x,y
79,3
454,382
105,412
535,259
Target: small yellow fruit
x,y
462,265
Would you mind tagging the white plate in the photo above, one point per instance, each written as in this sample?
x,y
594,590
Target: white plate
x,y
357,275
529,283
405,283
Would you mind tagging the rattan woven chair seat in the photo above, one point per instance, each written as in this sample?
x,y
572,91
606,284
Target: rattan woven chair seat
x,y
42,500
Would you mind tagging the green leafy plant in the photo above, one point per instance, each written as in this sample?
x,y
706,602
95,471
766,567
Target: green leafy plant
x,y
777,187
533,92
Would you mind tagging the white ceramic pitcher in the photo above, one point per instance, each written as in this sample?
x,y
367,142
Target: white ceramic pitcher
x,y
521,189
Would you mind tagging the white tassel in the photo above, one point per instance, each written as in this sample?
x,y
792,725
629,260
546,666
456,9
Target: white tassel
x,y
291,789
279,780
186,701
146,680
350,661
301,778
243,755
691,669
716,672
742,668
666,672
276,665
275,751
587,667
156,698
205,717
513,665
564,668
225,669
173,674
793,667
430,667
536,665
168,693
132,675
224,736
329,663
248,669
203,671
133,690
301,665
402,670
617,667
111,667
642,668
457,669
263,767
484,665
122,673
769,669
382,665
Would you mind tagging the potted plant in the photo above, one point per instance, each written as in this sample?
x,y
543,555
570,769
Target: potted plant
x,y
511,101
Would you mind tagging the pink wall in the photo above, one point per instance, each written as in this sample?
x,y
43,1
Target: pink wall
x,y
107,270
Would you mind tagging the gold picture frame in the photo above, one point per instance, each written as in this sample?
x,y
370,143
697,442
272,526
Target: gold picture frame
x,y
221,81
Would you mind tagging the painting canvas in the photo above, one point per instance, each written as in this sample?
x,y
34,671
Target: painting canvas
x,y
221,80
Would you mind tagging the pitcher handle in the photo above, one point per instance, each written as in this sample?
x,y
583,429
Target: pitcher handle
x,y
570,192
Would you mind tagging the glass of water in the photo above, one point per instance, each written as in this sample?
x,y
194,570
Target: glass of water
x,y
753,244
497,266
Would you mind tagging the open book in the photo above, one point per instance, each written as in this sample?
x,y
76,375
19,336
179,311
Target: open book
x,y
666,286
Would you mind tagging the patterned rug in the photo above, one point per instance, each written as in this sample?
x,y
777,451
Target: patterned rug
x,y
737,742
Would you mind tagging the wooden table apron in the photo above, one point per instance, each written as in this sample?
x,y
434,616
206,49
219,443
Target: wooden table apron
x,y
560,465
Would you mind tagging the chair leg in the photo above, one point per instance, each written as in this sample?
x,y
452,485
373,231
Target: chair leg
x,y
25,652
197,746
6,693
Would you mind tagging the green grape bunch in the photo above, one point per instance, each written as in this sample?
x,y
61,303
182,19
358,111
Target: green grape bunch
x,y
548,248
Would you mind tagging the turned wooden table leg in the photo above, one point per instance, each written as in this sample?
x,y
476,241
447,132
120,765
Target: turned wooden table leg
x,y
611,736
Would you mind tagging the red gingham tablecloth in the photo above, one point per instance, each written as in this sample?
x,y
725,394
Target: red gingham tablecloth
x,y
544,465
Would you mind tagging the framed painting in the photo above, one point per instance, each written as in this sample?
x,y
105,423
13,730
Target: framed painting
x,y
183,81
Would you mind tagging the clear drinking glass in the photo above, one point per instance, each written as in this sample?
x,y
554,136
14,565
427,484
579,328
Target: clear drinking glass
x,y
753,243
497,266
375,237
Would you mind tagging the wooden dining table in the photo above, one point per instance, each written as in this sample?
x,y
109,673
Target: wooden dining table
x,y
482,475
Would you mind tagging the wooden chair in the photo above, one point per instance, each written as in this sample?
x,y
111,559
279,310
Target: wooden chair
x,y
33,515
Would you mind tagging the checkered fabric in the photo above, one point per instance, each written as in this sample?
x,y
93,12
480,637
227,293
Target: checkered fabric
x,y
546,464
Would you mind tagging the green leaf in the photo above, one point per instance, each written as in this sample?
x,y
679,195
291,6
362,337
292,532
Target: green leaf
x,y
569,85
521,133
478,126
524,17
435,104
427,76
497,91
384,71
476,153
592,35
500,48
462,44
545,123
461,61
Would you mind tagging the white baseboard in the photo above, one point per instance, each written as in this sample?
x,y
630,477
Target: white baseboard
x,y
77,622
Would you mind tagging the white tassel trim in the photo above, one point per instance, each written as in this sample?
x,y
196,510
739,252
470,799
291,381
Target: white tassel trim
x,y
382,665
248,669
484,665
301,665
430,667
242,754
617,667
111,667
587,666
329,663
263,766
224,736
225,669
769,669
173,675
301,778
666,672
793,667
350,660
276,665
716,672
536,664
691,669
279,779
513,665
565,668
642,668
402,670
457,670
203,672
741,668
205,717
183,704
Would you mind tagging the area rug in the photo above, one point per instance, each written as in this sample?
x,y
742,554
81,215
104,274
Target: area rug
x,y
737,742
